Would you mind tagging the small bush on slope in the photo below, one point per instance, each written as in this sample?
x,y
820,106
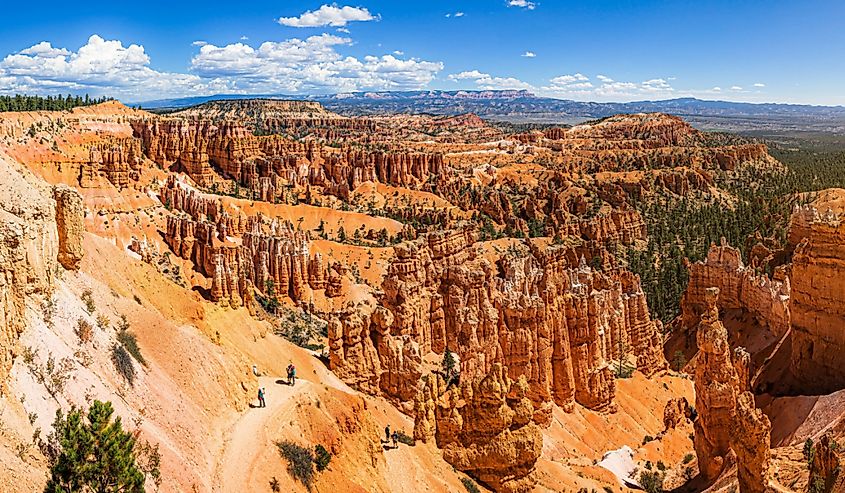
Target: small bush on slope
x,y
470,485
322,457
123,362
129,341
300,462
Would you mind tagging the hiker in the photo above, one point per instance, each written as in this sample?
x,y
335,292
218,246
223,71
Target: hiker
x,y
291,374
386,433
261,402
395,437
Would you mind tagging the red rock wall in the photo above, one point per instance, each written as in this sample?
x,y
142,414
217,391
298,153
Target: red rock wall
x,y
818,307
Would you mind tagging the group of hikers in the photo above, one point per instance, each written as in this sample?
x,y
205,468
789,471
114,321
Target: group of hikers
x,y
388,436
262,392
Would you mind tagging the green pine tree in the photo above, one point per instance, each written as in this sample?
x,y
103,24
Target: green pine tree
x,y
94,454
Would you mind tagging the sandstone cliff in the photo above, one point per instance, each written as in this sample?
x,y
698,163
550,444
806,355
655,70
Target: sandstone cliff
x,y
740,288
818,301
484,427
29,245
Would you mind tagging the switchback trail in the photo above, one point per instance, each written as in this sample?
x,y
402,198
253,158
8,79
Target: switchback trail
x,y
249,436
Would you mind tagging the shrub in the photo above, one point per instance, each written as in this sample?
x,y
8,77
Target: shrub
x,y
130,342
661,466
651,482
470,485
300,462
123,324
53,375
84,330
403,438
88,298
103,322
94,453
688,458
608,489
322,457
647,439
123,363
808,450
274,485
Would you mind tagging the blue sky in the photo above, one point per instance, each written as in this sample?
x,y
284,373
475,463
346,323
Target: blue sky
x,y
598,50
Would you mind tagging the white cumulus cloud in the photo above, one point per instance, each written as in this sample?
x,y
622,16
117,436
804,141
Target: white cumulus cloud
x,y
489,82
109,67
312,64
529,54
759,84
99,66
526,4
328,15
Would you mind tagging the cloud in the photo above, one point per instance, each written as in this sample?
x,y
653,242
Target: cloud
x,y
759,84
456,14
563,80
328,15
98,67
526,4
45,49
244,38
489,82
343,30
580,86
716,89
736,88
471,74
398,52
195,43
108,67
529,54
312,64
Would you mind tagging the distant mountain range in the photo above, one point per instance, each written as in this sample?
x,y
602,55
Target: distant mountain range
x,y
525,107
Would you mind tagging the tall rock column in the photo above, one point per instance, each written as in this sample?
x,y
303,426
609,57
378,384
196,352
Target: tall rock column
x,y
70,222
716,386
751,438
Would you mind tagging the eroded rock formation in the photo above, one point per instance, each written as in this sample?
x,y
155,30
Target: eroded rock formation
x,y
70,222
729,426
825,470
544,313
676,411
484,427
240,254
118,159
716,386
818,301
750,442
740,288
29,245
